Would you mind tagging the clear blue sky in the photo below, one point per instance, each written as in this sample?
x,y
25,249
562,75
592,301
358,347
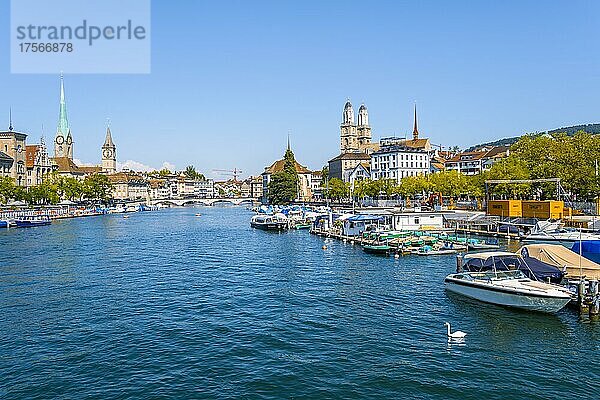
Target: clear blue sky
x,y
230,79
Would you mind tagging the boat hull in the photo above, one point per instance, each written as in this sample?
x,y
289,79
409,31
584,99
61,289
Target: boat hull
x,y
493,295
31,224
269,226
380,250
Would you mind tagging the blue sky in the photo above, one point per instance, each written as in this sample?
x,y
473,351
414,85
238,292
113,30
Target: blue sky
x,y
230,79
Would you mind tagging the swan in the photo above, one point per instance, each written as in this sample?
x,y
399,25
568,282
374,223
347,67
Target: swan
x,y
454,335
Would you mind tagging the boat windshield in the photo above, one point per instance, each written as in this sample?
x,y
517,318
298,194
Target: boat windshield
x,y
498,275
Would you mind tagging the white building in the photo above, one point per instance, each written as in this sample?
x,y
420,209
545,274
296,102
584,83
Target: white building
x,y
412,221
397,162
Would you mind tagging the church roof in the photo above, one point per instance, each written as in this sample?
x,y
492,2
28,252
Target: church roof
x,y
352,156
278,165
66,165
91,169
108,141
417,143
63,122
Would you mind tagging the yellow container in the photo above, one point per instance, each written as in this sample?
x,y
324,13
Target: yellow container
x,y
504,208
549,209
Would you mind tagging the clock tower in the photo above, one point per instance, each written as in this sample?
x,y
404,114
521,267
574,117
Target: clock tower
x,y
109,154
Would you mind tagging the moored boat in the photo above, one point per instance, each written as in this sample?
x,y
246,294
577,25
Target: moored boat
x,y
509,288
269,222
32,221
382,249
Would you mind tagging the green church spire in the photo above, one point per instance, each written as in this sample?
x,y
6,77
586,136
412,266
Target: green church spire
x,y
63,122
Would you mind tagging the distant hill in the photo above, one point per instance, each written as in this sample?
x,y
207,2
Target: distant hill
x,y
569,130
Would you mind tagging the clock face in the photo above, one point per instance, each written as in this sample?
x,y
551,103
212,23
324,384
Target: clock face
x,y
107,153
69,140
60,140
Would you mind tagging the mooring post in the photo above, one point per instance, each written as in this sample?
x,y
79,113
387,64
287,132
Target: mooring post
x,y
581,295
594,298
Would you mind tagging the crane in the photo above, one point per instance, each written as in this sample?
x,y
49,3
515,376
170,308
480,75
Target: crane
x,y
229,172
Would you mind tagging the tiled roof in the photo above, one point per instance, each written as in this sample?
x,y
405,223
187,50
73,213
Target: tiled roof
x,y
417,143
472,155
352,156
66,165
90,170
497,151
278,165
30,154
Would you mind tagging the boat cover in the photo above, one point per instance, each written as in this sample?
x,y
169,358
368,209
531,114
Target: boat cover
x,y
587,246
562,258
531,267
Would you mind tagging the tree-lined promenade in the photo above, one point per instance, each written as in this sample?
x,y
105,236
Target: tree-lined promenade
x,y
572,159
55,187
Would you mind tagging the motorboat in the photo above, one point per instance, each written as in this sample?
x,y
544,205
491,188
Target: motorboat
x,y
501,282
381,249
31,221
277,222
547,231
572,264
532,268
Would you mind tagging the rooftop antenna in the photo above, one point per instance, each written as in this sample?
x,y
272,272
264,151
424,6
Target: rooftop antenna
x,y
10,126
288,143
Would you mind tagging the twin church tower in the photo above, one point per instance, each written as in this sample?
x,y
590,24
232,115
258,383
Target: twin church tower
x,y
355,137
63,142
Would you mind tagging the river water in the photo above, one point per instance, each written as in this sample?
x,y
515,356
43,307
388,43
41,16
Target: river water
x,y
168,305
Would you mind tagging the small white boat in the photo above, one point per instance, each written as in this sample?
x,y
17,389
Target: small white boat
x,y
546,231
509,288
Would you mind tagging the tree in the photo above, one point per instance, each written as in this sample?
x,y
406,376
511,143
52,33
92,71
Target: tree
x,y
164,172
7,188
190,173
97,187
69,188
338,189
283,186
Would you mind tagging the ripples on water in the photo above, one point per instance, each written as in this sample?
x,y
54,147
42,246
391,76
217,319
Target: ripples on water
x,y
165,304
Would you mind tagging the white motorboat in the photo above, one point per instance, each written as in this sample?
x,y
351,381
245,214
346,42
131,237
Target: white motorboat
x,y
500,282
546,231
277,222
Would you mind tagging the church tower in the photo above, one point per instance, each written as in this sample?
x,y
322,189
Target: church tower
x,y
63,142
415,129
363,129
109,154
348,132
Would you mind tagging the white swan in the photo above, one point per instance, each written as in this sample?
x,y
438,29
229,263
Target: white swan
x,y
454,335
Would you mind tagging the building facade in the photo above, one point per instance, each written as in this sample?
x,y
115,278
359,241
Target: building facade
x,y
13,157
37,162
397,162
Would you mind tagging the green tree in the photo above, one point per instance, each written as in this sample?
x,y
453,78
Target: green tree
x,y
338,189
191,173
98,187
283,186
7,188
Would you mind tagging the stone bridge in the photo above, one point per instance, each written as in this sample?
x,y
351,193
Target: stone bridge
x,y
236,201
